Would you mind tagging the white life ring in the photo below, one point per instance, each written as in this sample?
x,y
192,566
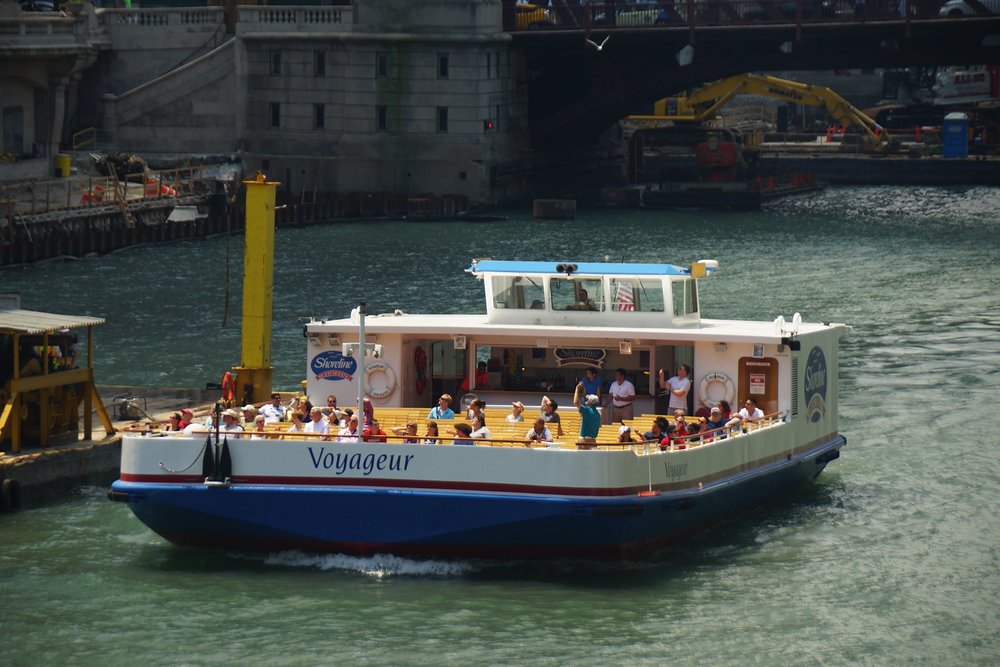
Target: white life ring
x,y
708,392
382,390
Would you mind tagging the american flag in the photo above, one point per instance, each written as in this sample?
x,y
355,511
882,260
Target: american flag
x,y
623,297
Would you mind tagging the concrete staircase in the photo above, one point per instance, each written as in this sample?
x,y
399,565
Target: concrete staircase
x,y
190,109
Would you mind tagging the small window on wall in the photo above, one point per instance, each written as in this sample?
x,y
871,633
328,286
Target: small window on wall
x,y
275,114
319,63
634,294
275,63
518,292
442,65
685,295
381,65
576,294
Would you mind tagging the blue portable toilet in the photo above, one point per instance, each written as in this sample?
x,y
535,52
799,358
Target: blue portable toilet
x,y
955,135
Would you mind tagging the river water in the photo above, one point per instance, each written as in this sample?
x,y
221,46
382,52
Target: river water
x,y
890,558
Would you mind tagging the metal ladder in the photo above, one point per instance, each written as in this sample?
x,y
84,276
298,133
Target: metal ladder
x,y
121,191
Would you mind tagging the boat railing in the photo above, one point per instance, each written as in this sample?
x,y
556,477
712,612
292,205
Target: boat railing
x,y
278,432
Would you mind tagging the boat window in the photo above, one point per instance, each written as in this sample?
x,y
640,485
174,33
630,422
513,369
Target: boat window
x,y
577,294
685,294
635,294
518,292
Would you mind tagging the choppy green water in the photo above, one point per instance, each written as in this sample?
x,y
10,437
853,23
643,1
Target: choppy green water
x,y
891,558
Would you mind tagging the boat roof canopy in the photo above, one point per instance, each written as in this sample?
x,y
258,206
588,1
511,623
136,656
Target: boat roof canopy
x,y
570,268
18,321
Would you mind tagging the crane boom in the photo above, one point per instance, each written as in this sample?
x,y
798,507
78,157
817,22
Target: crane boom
x,y
703,102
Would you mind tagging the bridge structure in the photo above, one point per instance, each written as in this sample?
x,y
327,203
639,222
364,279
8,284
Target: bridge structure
x,y
484,99
576,91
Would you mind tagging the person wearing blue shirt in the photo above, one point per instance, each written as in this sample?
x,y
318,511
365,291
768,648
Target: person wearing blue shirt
x,y
441,410
591,383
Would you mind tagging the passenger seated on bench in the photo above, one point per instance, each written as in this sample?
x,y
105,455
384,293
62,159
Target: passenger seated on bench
x,y
625,434
296,418
442,409
317,424
258,428
679,433
658,431
350,432
479,428
538,433
476,407
515,416
410,431
373,433
463,434
431,436
693,431
750,412
231,422
549,415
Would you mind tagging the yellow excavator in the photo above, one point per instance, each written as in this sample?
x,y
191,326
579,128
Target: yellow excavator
x,y
703,102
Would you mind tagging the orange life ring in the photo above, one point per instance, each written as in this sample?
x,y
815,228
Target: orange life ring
x,y
228,387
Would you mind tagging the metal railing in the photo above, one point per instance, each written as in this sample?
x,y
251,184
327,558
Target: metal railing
x,y
691,13
84,138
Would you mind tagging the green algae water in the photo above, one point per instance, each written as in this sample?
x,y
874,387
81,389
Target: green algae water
x,y
890,558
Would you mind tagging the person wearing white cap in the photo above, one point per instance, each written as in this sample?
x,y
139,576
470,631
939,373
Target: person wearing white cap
x,y
231,422
516,410
249,413
715,419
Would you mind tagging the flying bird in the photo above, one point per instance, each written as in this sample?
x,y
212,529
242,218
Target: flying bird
x,y
599,47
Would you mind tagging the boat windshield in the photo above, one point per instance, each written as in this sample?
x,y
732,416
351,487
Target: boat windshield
x,y
634,294
577,294
518,292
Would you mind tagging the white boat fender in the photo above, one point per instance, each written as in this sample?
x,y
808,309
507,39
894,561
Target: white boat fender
x,y
371,369
705,389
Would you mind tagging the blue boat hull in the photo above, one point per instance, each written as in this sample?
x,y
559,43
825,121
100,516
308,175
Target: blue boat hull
x,y
422,524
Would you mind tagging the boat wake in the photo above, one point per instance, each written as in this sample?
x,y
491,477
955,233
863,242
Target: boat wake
x,y
378,566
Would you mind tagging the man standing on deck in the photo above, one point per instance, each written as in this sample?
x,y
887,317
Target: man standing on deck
x,y
591,383
678,385
622,396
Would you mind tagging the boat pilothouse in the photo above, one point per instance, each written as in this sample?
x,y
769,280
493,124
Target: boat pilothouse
x,y
591,294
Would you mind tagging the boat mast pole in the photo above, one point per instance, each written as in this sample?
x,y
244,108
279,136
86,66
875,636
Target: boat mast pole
x,y
362,353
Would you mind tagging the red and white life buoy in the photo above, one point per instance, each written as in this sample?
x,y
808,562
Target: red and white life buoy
x,y
228,387
715,387
381,388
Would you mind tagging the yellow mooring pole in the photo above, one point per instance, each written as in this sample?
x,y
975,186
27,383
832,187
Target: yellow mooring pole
x,y
253,375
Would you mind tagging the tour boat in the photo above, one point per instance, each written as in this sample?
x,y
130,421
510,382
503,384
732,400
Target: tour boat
x,y
545,324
